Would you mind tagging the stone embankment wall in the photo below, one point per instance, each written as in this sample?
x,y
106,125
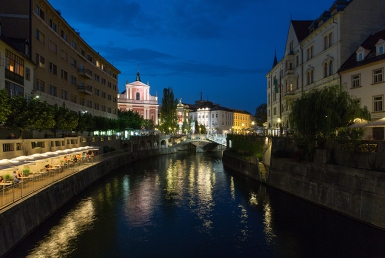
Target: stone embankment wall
x,y
21,218
246,168
357,193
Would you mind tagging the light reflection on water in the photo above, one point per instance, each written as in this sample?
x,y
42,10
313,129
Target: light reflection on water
x,y
59,240
187,205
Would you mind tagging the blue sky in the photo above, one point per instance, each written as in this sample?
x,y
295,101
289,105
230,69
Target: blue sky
x,y
222,48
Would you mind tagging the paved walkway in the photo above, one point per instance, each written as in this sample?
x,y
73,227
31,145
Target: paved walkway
x,y
12,193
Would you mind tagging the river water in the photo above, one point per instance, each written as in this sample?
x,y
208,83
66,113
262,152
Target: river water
x,y
187,205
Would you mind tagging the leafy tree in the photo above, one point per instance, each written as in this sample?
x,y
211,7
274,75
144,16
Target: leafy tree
x,y
29,114
148,124
318,114
196,126
64,119
261,114
129,119
85,122
168,110
5,106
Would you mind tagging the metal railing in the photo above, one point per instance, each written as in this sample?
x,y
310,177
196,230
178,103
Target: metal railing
x,y
11,192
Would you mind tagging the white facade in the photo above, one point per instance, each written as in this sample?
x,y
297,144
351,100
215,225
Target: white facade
x,y
314,52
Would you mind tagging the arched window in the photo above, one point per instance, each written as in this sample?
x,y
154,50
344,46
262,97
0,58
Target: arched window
x,y
137,96
307,77
311,76
297,82
330,67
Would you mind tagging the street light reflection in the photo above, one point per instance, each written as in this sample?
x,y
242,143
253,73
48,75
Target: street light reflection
x,y
60,237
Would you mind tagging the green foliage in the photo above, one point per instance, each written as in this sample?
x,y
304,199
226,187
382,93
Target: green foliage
x,y
65,119
261,114
168,111
129,120
316,116
5,106
246,145
85,122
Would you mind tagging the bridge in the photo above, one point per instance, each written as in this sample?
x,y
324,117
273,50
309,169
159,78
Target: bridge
x,y
202,142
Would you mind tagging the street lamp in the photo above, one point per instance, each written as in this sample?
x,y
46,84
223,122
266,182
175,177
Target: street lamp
x,y
279,125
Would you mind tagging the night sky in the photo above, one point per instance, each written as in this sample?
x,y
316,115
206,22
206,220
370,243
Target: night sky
x,y
223,49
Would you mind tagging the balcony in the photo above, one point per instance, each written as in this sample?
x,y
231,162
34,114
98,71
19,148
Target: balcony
x,y
85,89
85,73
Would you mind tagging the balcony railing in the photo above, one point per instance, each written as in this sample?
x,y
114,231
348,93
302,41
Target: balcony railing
x,y
85,89
134,101
86,73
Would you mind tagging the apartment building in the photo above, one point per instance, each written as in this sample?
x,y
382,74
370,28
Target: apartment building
x,y
16,70
363,76
314,51
68,70
137,97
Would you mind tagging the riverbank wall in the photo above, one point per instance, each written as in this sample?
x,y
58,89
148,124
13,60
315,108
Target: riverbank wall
x,y
249,169
356,193
21,218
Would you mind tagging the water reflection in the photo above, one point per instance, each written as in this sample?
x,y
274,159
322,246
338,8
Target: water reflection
x,y
59,240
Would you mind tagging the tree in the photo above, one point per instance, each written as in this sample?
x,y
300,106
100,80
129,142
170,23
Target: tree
x,y
168,111
5,106
261,114
316,117
85,123
64,119
128,119
29,115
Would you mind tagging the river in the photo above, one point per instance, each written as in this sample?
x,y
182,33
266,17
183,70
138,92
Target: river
x,y
187,205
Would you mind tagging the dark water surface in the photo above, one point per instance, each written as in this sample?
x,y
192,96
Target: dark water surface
x,y
187,205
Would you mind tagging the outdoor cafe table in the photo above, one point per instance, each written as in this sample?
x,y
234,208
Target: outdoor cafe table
x,y
22,180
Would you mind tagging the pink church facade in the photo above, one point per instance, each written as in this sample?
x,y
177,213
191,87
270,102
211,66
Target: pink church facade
x,y
137,98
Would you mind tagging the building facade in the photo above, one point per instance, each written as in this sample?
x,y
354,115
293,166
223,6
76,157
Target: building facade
x,y
16,69
69,71
363,76
314,51
136,97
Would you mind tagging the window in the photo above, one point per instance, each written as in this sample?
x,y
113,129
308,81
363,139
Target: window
x,y
359,56
109,97
73,44
377,103
64,75
89,103
39,85
96,77
40,36
40,12
103,108
63,35
356,80
40,60
89,58
52,90
328,40
296,60
380,47
64,55
377,75
309,53
109,84
73,80
96,106
52,46
52,68
27,74
52,24
73,98
103,94
64,94
81,101
74,62
103,81
14,89
330,67
96,92
137,96
14,64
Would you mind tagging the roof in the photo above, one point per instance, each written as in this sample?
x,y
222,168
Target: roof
x,y
301,28
371,57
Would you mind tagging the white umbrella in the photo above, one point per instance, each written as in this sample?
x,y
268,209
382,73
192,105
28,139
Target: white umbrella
x,y
377,123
